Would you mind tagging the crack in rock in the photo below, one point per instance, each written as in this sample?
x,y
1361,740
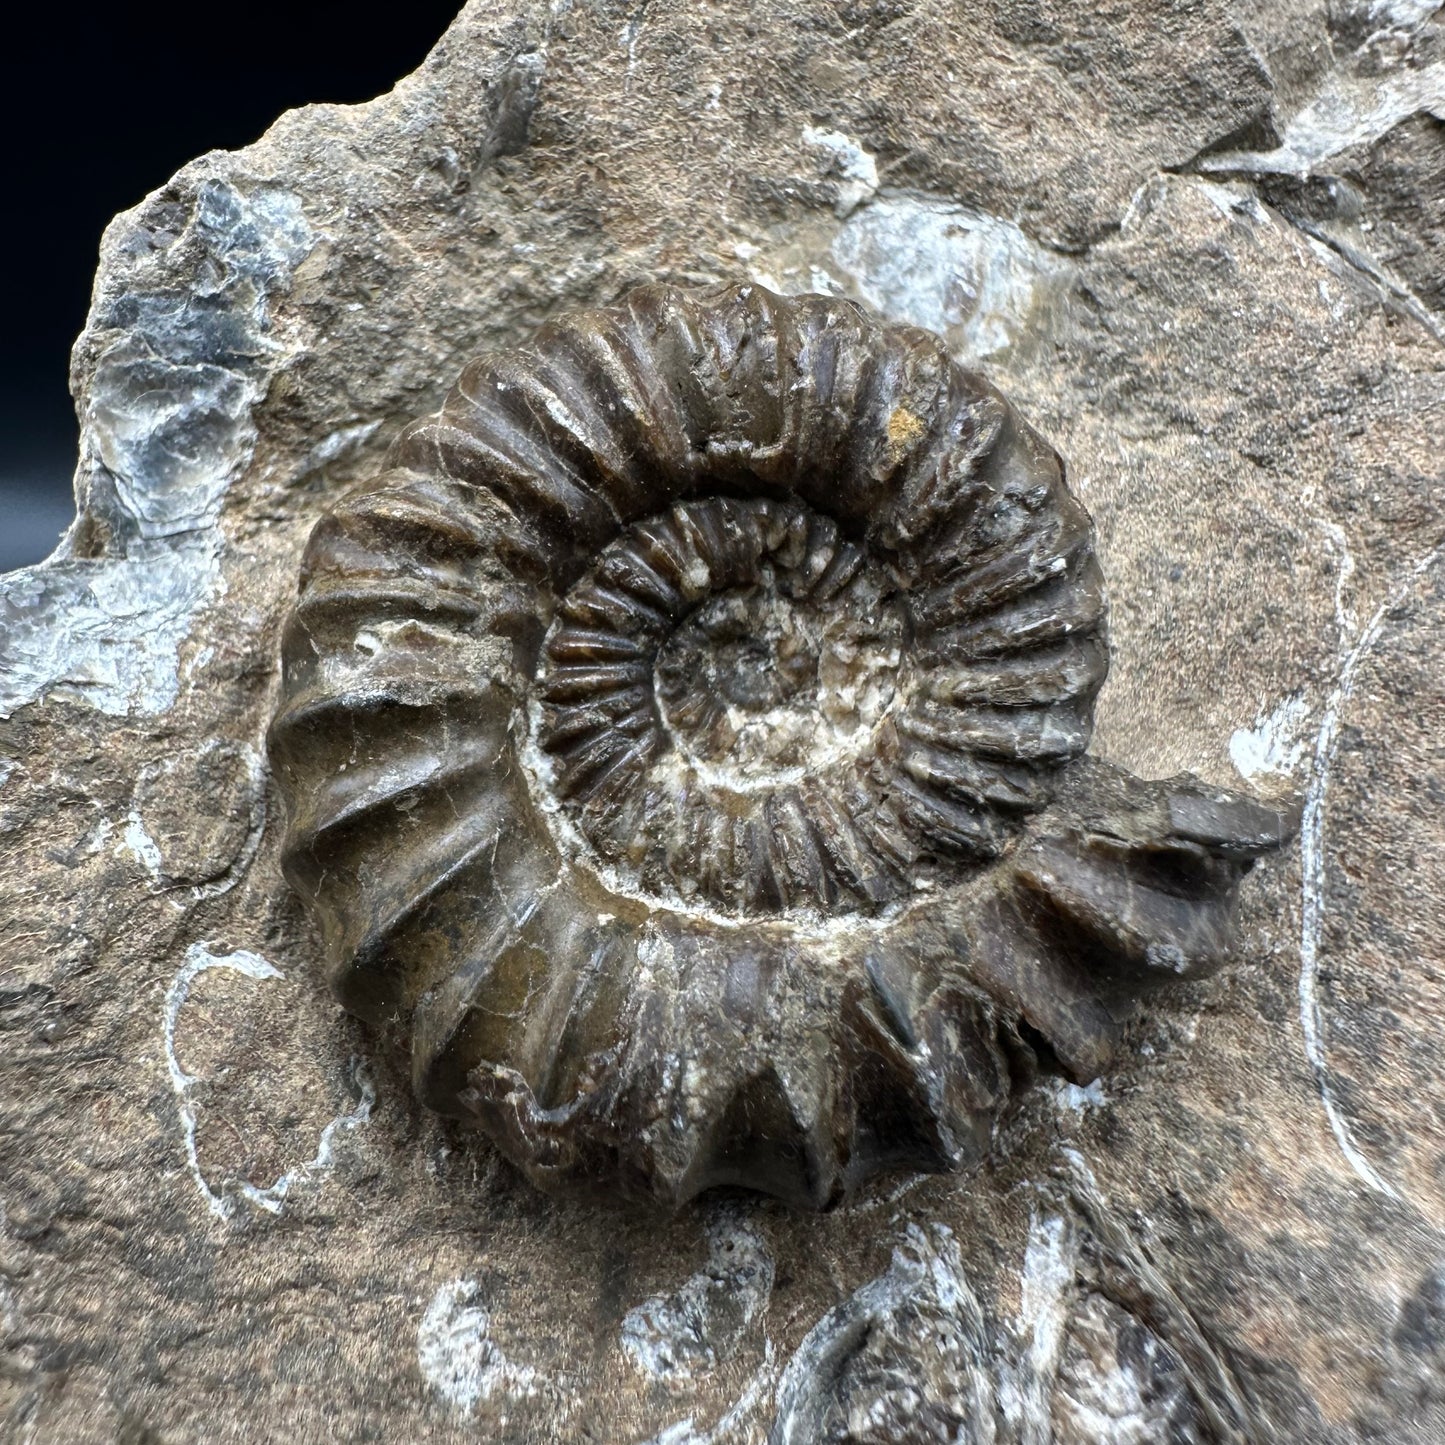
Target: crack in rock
x,y
224,1200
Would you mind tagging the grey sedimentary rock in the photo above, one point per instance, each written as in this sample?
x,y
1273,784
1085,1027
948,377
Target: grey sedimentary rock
x,y
1196,245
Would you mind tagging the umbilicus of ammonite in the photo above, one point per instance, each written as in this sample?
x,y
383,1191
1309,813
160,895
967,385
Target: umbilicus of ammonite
x,y
684,744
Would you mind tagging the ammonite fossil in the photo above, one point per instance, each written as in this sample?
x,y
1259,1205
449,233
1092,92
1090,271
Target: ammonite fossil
x,y
684,747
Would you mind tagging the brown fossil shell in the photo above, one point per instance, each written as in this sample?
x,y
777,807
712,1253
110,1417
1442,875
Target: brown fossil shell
x,y
683,742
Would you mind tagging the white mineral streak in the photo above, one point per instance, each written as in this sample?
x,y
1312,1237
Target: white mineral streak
x,y
1077,1099
1108,1395
141,846
107,631
974,278
335,445
1402,14
855,167
960,272
1354,103
627,39
137,841
1364,97
1350,112
458,1357
728,1428
1276,745
1355,646
224,1201
167,429
923,1306
701,1324
1027,1373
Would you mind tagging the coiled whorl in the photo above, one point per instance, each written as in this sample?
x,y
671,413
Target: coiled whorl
x,y
662,733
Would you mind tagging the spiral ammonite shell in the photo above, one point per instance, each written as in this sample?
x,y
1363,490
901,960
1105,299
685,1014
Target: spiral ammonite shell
x,y
683,742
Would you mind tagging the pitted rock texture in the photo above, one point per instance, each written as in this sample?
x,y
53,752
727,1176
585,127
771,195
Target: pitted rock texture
x,y
1195,244
770,950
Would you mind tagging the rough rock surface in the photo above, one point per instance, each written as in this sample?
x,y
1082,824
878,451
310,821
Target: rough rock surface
x,y
1199,245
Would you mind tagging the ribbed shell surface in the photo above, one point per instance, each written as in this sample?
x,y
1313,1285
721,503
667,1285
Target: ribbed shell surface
x,y
521,683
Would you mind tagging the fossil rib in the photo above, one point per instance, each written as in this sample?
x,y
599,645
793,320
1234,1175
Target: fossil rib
x,y
684,746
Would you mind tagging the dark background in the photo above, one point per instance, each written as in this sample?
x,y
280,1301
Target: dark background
x,y
102,104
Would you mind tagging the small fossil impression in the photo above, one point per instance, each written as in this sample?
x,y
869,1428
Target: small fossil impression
x,y
684,743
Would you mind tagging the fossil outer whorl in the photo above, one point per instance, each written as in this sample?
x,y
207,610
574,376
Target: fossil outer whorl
x,y
683,744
